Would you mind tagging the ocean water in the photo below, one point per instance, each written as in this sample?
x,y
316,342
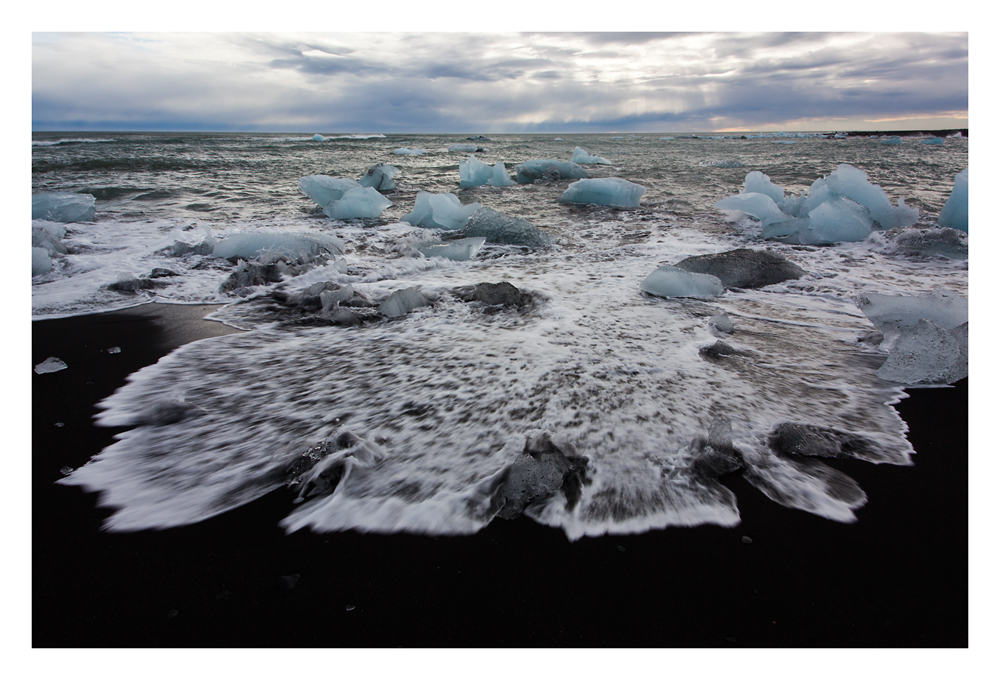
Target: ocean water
x,y
421,423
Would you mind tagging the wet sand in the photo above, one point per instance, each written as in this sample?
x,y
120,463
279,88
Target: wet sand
x,y
896,578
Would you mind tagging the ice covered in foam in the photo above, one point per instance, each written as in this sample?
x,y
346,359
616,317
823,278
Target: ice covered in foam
x,y
357,203
379,177
894,314
955,213
322,188
439,211
670,281
459,249
62,206
582,157
274,245
548,168
612,191
844,206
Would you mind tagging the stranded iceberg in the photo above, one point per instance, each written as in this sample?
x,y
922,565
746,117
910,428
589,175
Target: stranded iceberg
x,y
842,207
346,199
62,206
439,211
613,191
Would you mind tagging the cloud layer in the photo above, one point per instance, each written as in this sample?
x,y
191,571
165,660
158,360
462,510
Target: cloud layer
x,y
492,82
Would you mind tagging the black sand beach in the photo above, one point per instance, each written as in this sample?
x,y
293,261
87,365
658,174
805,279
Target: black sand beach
x,y
896,578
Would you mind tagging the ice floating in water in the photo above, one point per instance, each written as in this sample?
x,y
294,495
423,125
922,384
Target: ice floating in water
x,y
61,206
499,177
439,211
547,168
613,191
943,242
379,177
955,213
927,336
41,263
322,188
841,207
274,245
582,157
357,203
473,172
669,281
499,228
891,140
50,365
932,140
459,249
473,148
47,235
403,151
318,138
402,302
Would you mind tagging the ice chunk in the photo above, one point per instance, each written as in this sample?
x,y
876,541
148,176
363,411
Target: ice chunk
x,y
468,148
743,267
323,188
499,177
459,249
612,191
582,157
403,151
850,182
755,204
318,138
357,203
928,354
61,206
923,242
50,365
757,182
499,228
891,140
932,140
895,314
43,238
41,263
668,281
439,211
955,213
721,323
547,168
836,220
379,177
303,247
473,173
402,302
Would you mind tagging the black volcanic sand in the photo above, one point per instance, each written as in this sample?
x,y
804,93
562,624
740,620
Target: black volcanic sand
x,y
896,578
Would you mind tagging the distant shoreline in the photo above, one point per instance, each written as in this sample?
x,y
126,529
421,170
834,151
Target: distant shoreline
x,y
735,135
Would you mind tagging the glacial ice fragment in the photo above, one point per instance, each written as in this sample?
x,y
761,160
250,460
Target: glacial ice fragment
x,y
379,177
401,302
299,247
62,206
668,281
404,151
473,148
851,182
547,168
41,263
499,228
743,267
721,323
932,140
928,354
473,172
836,220
43,238
582,157
895,314
538,474
50,365
499,176
757,182
322,188
439,211
612,191
955,213
357,203
318,138
459,249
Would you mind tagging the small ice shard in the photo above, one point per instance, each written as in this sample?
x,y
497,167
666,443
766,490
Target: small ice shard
x,y
41,263
468,148
50,365
582,157
743,267
357,203
668,281
439,211
401,302
499,228
473,172
932,140
547,168
459,249
318,138
403,151
716,455
379,177
114,350
955,213
927,354
721,323
499,176
322,188
62,206
612,191
299,247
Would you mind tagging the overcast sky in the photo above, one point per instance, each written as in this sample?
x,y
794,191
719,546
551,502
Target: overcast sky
x,y
499,82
